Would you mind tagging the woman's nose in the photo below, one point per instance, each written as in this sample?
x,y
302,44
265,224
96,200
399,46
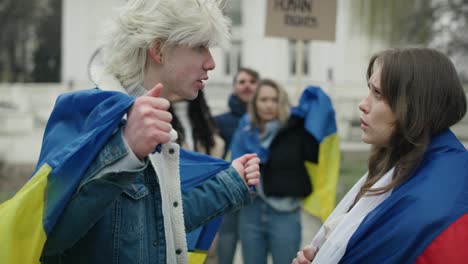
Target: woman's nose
x,y
364,105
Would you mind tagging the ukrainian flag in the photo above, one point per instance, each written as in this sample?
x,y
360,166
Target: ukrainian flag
x,y
79,126
193,173
319,120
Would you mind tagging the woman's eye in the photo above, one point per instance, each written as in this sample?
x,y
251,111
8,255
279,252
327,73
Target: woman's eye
x,y
377,93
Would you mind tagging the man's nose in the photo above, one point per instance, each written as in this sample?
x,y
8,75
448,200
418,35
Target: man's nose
x,y
209,63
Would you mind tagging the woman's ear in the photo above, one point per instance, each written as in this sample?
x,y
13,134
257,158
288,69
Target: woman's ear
x,y
155,52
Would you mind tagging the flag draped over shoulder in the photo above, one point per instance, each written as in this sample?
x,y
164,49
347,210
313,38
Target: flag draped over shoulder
x,y
79,126
316,109
423,220
319,120
427,212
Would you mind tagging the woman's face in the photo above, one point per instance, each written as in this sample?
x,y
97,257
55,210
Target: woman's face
x,y
267,103
377,119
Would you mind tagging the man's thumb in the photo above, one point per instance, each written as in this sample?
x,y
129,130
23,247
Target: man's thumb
x,y
247,157
155,91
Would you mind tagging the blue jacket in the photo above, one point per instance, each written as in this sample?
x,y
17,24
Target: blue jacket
x,y
117,217
228,122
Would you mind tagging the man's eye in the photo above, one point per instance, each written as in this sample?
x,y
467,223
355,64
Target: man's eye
x,y
200,48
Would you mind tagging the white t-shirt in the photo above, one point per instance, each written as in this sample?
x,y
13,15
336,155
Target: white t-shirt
x,y
181,110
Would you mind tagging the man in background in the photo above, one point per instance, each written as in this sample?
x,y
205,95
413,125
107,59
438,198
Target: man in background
x,y
244,84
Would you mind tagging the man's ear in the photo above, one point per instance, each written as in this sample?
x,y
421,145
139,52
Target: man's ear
x,y
155,52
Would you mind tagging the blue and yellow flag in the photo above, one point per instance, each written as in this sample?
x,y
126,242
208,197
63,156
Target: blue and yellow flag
x,y
319,120
195,168
79,126
316,109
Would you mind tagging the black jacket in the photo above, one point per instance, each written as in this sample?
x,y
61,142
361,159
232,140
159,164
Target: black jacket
x,y
285,174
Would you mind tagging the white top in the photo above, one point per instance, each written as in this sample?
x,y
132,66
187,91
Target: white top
x,y
332,239
181,110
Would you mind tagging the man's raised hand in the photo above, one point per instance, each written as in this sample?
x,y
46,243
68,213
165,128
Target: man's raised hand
x,y
148,122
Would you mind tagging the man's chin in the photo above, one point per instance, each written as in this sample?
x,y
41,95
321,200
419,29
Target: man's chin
x,y
192,96
245,98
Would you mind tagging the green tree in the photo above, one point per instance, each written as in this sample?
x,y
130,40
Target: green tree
x,y
47,57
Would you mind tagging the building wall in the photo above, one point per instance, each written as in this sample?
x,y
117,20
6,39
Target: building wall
x,y
338,67
82,27
346,58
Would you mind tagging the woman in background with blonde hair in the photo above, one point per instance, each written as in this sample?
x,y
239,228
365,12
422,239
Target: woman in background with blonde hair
x,y
272,223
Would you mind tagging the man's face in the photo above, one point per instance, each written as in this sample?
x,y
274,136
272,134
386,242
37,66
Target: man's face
x,y
184,70
245,86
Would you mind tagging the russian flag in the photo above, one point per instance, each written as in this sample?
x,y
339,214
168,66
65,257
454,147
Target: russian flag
x,y
423,221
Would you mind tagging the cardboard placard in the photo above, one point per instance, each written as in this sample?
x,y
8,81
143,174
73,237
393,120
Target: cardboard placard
x,y
301,19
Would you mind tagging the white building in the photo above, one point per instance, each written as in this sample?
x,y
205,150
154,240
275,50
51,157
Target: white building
x,y
338,67
339,62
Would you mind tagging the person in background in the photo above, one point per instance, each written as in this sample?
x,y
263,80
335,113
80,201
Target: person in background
x,y
129,206
411,206
197,131
195,127
272,223
244,84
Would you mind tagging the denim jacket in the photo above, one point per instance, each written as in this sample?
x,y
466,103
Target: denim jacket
x,y
118,216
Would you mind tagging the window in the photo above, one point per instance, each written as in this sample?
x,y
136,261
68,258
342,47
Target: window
x,y
233,58
293,57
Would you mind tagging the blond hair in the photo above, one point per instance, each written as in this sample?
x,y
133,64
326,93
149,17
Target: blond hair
x,y
283,103
140,23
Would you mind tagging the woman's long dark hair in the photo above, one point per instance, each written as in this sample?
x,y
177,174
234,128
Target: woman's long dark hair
x,y
423,91
202,123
